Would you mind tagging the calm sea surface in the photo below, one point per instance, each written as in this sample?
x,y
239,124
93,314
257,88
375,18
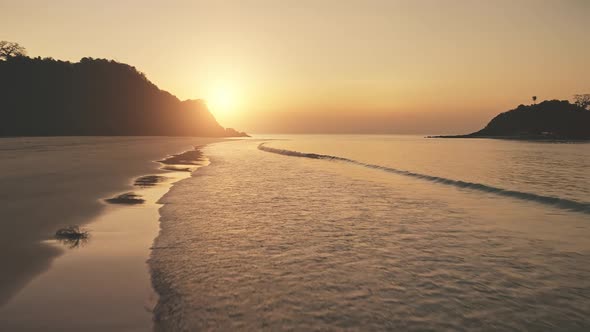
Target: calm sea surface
x,y
378,232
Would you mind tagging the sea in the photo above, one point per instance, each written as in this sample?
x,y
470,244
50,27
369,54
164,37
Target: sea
x,y
377,232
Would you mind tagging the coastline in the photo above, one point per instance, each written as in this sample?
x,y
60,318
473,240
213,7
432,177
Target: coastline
x,y
121,231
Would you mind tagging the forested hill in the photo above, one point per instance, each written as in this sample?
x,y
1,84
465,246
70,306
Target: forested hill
x,y
551,119
47,97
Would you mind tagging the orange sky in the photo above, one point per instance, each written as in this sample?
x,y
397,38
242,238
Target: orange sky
x,y
328,66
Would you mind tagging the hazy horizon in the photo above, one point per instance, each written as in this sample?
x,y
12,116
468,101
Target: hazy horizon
x,y
310,67
414,165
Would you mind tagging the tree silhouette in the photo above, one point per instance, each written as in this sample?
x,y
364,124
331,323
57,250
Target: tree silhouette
x,y
534,100
582,100
11,50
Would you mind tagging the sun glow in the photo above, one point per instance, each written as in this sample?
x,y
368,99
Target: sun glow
x,y
222,100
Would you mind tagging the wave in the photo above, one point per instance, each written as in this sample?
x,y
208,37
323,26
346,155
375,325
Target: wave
x,y
562,203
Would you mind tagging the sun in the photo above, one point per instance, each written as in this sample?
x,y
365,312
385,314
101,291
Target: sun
x,y
222,100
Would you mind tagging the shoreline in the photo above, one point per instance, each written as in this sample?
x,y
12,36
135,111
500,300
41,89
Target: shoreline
x,y
116,231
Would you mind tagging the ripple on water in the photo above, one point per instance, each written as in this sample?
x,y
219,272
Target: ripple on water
x,y
261,241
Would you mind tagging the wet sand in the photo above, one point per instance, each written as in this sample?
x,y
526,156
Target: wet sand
x,y
103,284
50,183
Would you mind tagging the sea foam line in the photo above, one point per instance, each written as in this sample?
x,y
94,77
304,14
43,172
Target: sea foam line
x,y
562,203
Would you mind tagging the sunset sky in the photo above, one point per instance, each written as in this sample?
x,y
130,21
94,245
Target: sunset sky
x,y
328,66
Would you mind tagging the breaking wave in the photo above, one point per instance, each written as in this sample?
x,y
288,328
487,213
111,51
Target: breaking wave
x,y
562,203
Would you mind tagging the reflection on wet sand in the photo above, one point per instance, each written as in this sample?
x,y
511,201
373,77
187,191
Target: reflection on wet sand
x,y
72,293
52,182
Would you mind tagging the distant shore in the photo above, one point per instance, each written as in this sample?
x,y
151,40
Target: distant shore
x,y
550,120
514,137
63,181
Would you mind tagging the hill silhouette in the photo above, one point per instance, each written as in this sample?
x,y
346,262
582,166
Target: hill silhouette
x,y
552,119
94,97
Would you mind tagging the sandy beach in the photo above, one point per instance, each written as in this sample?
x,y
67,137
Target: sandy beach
x,y
65,181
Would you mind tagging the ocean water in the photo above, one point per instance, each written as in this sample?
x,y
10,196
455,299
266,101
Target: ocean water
x,y
378,232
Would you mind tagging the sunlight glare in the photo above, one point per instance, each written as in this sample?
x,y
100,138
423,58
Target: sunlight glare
x,y
222,100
